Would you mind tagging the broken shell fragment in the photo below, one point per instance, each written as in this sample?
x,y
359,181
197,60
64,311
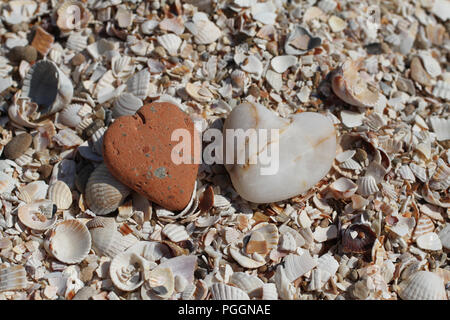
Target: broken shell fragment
x,y
13,278
221,291
127,271
38,215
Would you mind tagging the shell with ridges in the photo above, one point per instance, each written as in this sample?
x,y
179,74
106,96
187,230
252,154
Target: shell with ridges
x,y
126,104
13,278
221,291
69,116
422,285
36,215
60,193
127,271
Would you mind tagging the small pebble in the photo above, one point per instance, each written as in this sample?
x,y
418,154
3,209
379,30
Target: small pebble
x,y
17,146
27,53
45,171
78,59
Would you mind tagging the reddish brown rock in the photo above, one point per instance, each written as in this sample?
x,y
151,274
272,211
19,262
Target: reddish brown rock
x,y
137,151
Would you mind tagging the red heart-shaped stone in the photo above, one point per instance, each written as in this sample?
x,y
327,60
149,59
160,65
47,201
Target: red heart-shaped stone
x,y
137,150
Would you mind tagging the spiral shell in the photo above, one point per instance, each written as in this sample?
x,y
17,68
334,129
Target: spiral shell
x,y
127,271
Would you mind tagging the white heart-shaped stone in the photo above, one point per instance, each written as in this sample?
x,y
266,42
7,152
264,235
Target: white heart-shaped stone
x,y
306,149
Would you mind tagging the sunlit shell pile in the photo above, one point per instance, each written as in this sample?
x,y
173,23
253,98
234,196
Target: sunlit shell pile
x,y
377,226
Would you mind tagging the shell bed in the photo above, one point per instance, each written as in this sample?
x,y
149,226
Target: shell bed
x,y
376,225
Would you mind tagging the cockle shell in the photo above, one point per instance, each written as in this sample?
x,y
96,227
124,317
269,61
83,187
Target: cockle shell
x,y
61,195
343,188
77,42
245,261
13,278
246,282
306,145
183,266
36,190
69,116
69,241
139,84
429,241
422,285
42,41
221,291
441,128
127,271
48,86
263,238
126,104
204,30
104,193
442,90
444,235
349,86
424,225
150,250
171,42
106,239
297,265
175,232
38,215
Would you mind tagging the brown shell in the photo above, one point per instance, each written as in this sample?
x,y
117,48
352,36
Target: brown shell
x,y
362,242
206,199
42,41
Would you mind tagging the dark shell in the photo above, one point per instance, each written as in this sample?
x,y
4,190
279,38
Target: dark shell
x,y
206,199
363,242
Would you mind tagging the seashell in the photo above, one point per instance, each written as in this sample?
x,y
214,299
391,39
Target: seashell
x,y
349,86
204,30
297,265
77,42
430,64
343,188
325,234
127,271
351,119
72,15
67,138
221,291
444,235
151,251
126,104
36,190
148,26
206,200
245,261
7,183
175,232
337,24
104,193
162,282
124,17
285,288
180,284
170,42
274,79
69,115
69,241
328,266
441,90
327,5
97,140
441,128
424,225
422,285
269,292
46,85
358,238
429,241
61,195
175,25
122,66
38,215
42,41
183,266
300,41
239,79
406,173
419,172
433,197
106,239
281,63
418,73
246,282
367,185
13,278
441,174
139,84
201,94
253,65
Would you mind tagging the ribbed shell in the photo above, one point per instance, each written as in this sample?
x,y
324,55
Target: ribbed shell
x,y
104,193
246,282
120,263
170,42
106,239
70,241
424,225
139,84
13,278
97,140
423,285
35,190
126,104
61,195
31,215
175,232
222,291
367,185
69,115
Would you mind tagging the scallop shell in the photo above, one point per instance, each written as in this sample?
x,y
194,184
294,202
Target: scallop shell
x,y
106,239
204,30
38,215
358,238
61,195
42,41
13,278
77,42
444,235
69,116
422,285
104,193
70,241
424,225
48,86
239,79
221,291
127,271
281,63
265,234
297,265
441,128
151,251
139,84
367,185
246,282
162,282
343,188
175,232
126,104
36,190
429,241
171,42
442,90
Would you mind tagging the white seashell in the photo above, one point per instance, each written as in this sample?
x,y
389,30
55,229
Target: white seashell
x,y
127,271
70,241
350,164
38,215
296,265
287,242
269,292
299,241
152,251
285,288
327,5
48,86
104,193
328,266
13,278
221,291
343,188
243,260
444,235
274,79
429,241
325,234
69,115
430,64
441,176
171,42
252,65
122,66
269,234
441,90
67,138
61,195
406,173
22,111
106,239
422,285
337,24
367,185
418,171
183,266
139,84
126,104
199,93
345,155
441,128
162,282
424,225
204,30
7,183
175,232
148,26
246,282
36,190
124,17
180,284
351,119
77,42
300,41
281,63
